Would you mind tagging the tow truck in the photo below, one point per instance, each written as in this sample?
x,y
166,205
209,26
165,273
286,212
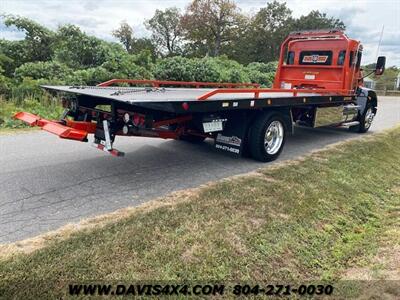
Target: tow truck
x,y
318,83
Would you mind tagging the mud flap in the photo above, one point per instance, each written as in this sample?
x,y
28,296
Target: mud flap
x,y
232,138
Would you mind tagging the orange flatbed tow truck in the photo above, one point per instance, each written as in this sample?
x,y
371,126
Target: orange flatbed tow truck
x,y
318,83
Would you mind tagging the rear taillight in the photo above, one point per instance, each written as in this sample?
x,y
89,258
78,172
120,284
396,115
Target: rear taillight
x,y
185,106
138,120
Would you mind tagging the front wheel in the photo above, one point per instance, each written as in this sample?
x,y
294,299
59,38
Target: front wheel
x,y
365,120
267,137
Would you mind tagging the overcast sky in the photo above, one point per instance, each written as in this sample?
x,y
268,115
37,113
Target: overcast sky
x,y
364,18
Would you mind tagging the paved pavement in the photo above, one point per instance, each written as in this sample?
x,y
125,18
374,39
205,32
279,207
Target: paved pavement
x,y
46,182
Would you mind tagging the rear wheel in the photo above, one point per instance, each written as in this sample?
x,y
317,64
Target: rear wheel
x,y
365,120
267,137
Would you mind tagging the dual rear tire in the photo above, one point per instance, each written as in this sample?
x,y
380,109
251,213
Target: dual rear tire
x,y
267,136
265,139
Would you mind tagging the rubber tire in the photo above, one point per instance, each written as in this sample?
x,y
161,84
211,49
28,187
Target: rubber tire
x,y
194,139
360,128
257,134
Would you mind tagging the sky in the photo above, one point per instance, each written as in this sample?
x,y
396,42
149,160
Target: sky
x,y
364,18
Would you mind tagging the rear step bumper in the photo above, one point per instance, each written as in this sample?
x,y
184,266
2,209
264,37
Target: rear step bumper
x,y
72,130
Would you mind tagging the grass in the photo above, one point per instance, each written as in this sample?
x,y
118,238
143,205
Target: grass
x,y
310,219
46,107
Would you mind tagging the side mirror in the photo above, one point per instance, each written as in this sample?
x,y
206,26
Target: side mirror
x,y
380,65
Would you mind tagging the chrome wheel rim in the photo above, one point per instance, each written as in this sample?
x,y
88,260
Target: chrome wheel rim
x,y
369,116
273,137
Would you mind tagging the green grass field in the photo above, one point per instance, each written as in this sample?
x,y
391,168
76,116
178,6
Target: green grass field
x,y
309,219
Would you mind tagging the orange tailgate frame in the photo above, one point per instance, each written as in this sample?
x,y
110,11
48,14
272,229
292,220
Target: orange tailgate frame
x,y
72,130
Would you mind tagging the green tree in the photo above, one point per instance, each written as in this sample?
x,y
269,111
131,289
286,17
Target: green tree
x,y
209,24
174,68
132,45
37,45
317,20
268,29
145,44
125,35
262,73
166,30
263,67
5,62
42,70
207,69
5,82
78,50
387,80
127,66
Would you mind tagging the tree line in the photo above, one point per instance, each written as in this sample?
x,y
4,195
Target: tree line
x,y
211,40
219,27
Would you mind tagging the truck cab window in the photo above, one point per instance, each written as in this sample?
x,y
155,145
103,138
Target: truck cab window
x,y
351,58
341,57
358,64
290,58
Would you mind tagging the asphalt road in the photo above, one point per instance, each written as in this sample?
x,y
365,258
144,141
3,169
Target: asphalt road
x,y
46,182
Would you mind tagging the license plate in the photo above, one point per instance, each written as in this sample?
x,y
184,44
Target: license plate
x,y
212,126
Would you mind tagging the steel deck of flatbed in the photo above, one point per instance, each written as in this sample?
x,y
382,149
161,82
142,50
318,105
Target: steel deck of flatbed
x,y
171,99
142,94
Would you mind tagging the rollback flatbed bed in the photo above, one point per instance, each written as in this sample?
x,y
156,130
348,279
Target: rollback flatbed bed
x,y
318,83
